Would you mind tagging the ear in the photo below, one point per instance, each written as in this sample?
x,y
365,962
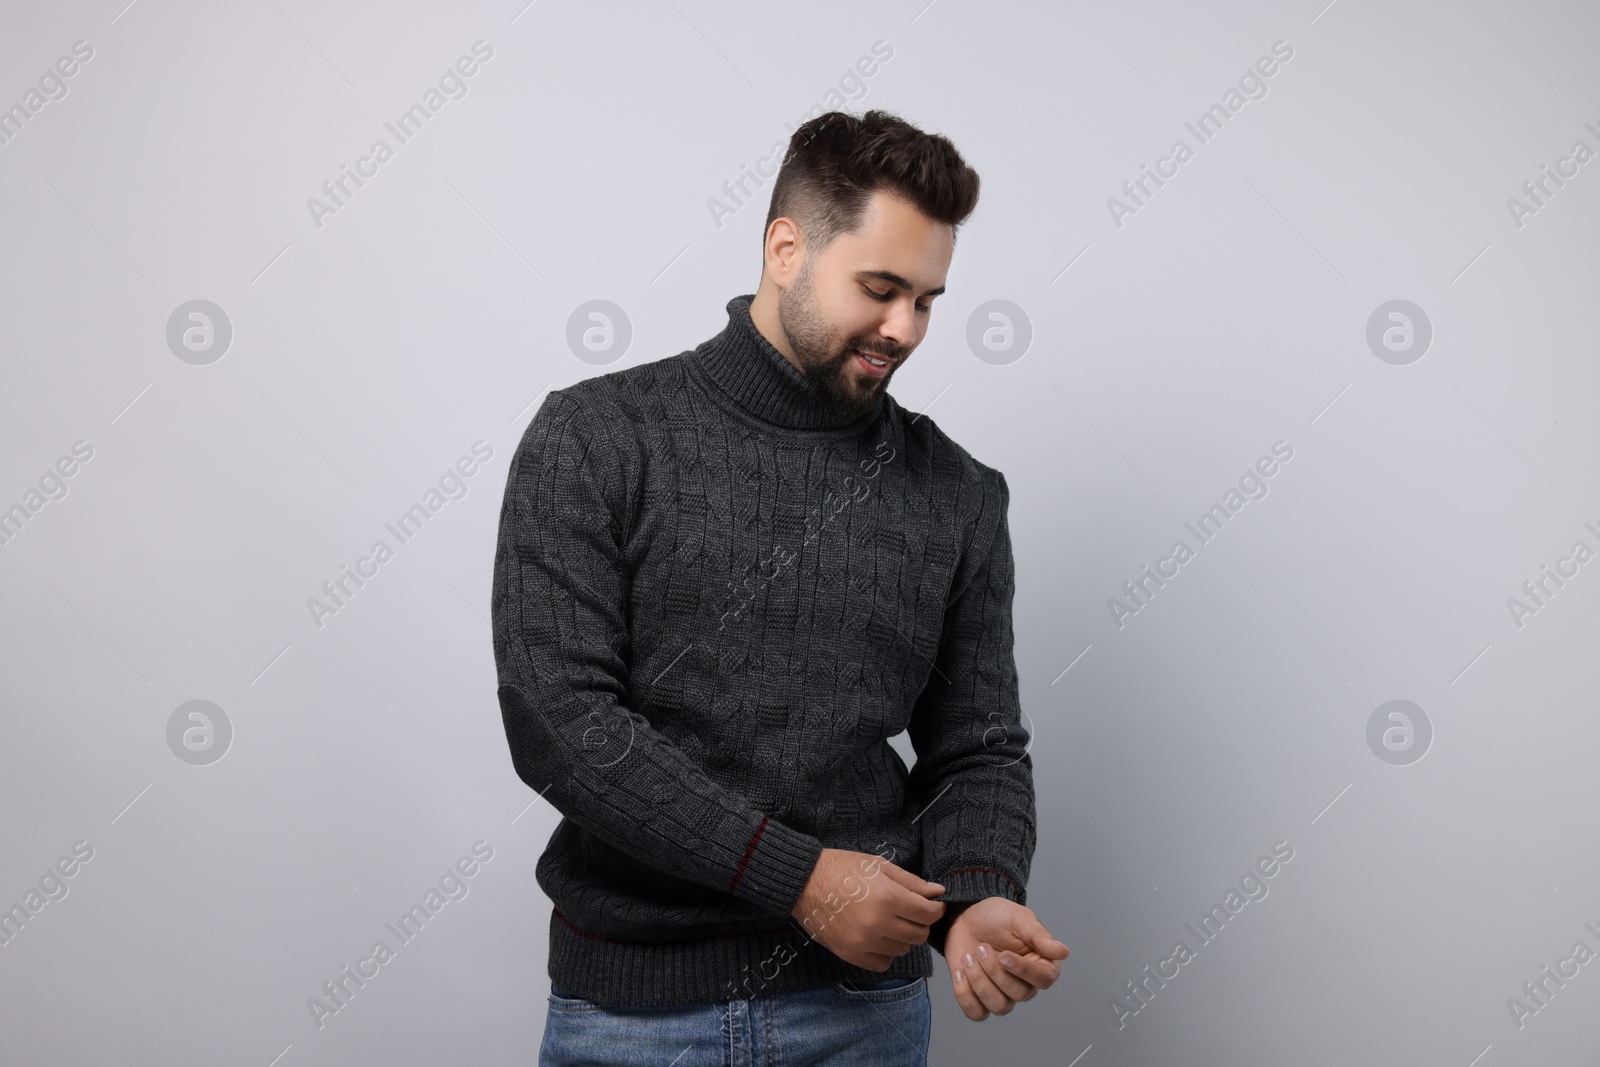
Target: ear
x,y
784,252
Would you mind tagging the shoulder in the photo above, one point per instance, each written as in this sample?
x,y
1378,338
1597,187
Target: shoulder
x,y
615,410
978,487
636,394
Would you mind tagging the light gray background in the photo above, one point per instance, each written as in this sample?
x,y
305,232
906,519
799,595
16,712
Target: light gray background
x,y
1167,355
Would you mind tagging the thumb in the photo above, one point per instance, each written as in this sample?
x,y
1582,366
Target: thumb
x,y
1033,931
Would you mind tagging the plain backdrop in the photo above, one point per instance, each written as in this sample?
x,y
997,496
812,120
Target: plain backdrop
x,y
1145,350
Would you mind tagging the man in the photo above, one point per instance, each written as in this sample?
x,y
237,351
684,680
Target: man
x,y
723,580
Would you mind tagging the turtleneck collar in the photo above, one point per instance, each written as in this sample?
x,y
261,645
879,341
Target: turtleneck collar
x,y
757,377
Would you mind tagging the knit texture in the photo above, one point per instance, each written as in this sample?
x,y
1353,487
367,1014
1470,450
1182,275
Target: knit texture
x,y
714,602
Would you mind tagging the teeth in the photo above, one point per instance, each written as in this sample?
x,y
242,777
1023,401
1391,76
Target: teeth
x,y
874,362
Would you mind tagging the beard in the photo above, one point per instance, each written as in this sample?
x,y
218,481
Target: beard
x,y
826,359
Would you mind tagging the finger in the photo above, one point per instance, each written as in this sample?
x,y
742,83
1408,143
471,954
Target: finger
x,y
921,886
908,902
990,994
888,946
874,961
906,932
971,1006
1033,931
1031,968
1008,983
917,908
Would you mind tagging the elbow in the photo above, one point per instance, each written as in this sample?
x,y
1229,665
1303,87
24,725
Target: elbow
x,y
529,739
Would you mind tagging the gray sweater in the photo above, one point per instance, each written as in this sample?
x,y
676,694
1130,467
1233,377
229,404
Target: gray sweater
x,y
713,604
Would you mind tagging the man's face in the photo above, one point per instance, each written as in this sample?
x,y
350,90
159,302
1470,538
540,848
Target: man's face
x,y
868,293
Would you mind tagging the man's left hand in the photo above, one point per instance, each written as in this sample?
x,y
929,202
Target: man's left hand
x,y
999,953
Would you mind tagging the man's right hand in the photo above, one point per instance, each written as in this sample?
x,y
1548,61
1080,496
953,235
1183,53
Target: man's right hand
x,y
866,910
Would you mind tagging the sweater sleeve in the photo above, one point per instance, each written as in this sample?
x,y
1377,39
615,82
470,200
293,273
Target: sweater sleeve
x,y
973,772
562,652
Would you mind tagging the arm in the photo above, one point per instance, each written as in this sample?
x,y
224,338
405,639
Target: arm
x,y
561,644
973,770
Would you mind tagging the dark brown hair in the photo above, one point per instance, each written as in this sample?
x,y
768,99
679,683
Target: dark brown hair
x,y
836,161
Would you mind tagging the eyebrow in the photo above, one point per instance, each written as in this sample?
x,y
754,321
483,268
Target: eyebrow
x,y
894,279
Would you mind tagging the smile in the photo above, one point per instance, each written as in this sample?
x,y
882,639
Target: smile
x,y
872,365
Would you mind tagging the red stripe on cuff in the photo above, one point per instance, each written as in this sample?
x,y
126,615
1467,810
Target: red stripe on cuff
x,y
748,852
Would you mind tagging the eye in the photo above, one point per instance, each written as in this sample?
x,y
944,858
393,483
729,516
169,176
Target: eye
x,y
884,298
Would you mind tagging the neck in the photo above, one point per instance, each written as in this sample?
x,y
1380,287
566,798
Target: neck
x,y
764,313
747,366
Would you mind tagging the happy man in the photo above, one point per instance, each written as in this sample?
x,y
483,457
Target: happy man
x,y
724,579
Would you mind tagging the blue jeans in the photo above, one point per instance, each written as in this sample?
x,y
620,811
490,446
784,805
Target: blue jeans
x,y
884,1022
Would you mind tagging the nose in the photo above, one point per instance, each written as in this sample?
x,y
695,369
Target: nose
x,y
899,327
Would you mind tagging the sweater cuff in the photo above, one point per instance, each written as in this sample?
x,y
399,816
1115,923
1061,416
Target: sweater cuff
x,y
778,863
968,885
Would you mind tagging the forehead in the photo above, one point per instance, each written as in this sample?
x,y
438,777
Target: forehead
x,y
894,236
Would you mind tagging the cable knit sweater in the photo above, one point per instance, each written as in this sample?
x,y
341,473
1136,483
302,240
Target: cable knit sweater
x,y
714,602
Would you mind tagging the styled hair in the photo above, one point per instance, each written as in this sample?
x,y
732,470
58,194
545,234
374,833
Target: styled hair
x,y
836,161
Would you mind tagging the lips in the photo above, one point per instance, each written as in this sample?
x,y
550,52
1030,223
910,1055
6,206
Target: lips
x,y
869,368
